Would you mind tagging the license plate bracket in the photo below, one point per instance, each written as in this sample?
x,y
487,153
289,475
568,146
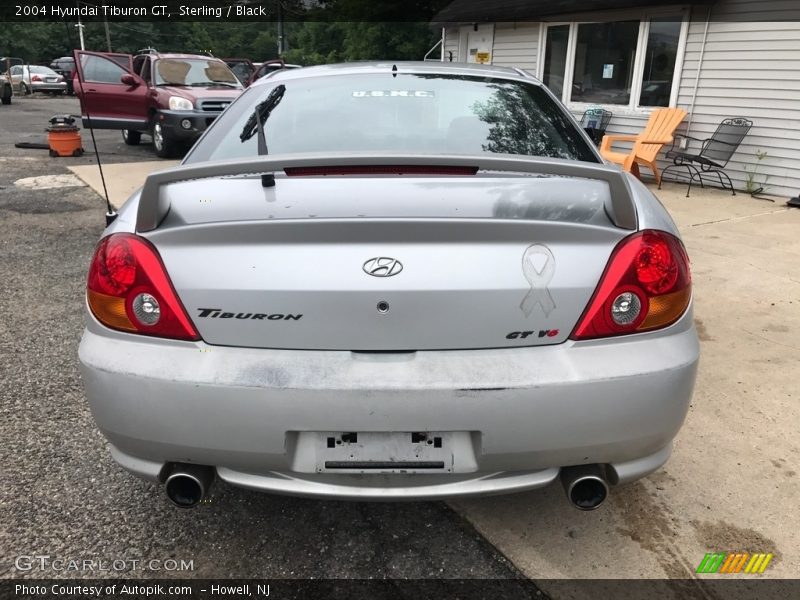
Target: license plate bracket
x,y
424,452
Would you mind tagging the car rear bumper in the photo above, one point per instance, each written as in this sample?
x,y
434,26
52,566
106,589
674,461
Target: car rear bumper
x,y
49,87
528,411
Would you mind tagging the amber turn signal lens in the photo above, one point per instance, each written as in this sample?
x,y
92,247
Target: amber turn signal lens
x,y
109,310
665,309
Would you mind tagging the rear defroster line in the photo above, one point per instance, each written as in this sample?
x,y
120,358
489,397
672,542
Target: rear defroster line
x,y
111,214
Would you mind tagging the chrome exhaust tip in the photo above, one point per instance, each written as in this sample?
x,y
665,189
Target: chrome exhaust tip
x,y
585,485
187,484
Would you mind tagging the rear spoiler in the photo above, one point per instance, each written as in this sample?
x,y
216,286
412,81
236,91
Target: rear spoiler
x,y
154,206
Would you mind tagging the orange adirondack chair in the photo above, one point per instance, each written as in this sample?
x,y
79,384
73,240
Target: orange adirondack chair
x,y
662,124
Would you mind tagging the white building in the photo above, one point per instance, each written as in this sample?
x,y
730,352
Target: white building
x,y
729,58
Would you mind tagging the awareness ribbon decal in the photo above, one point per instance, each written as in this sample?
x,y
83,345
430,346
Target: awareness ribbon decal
x,y
539,279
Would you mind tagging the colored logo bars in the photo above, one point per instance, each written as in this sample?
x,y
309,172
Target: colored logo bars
x,y
734,562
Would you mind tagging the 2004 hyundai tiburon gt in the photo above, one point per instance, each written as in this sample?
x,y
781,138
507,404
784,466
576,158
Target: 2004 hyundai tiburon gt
x,y
391,281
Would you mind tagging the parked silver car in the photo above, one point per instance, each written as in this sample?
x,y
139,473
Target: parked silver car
x,y
391,281
27,79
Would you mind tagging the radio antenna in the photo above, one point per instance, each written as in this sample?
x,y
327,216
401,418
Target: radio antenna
x,y
111,214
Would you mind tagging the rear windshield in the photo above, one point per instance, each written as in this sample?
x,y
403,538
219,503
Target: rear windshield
x,y
415,113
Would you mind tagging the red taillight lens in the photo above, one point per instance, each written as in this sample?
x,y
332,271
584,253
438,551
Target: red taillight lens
x,y
36,78
128,289
646,285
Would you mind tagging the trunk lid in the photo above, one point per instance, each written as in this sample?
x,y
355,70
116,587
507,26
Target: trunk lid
x,y
474,262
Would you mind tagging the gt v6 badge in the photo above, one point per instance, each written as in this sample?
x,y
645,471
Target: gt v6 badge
x,y
521,335
382,266
538,267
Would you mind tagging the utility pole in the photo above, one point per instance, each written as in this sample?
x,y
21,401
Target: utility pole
x,y
280,29
108,34
80,27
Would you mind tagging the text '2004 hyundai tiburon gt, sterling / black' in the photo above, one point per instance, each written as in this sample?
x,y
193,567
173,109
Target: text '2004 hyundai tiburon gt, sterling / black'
x,y
391,281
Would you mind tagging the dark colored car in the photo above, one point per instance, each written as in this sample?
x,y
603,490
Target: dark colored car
x,y
6,85
247,71
65,66
172,97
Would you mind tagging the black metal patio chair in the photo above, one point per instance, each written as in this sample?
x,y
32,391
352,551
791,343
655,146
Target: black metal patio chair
x,y
594,122
713,156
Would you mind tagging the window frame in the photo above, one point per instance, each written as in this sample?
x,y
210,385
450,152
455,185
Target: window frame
x,y
644,16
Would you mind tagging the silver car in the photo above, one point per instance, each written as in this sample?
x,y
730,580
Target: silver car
x,y
27,79
391,281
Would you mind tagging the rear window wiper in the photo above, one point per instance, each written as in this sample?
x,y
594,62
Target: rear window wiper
x,y
255,125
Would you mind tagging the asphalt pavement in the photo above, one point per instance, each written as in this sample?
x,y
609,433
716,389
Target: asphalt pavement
x,y
62,496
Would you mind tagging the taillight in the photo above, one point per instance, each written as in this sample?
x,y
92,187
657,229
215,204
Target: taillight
x,y
128,289
36,78
646,285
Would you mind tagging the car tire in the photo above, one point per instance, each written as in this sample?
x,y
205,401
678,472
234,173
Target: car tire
x,y
131,138
6,99
24,89
162,144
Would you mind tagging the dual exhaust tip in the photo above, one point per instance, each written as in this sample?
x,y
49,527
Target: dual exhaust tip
x,y
586,486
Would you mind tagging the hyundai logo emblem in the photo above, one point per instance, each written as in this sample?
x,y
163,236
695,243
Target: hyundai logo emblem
x,y
382,266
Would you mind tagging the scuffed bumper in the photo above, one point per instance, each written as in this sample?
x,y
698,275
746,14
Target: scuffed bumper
x,y
198,121
529,411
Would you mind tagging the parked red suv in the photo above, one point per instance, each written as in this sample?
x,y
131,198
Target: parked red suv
x,y
172,97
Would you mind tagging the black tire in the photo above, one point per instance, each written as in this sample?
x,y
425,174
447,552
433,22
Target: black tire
x,y
131,138
6,99
162,144
24,89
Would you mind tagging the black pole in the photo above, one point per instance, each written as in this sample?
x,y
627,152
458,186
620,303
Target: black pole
x,y
108,34
280,29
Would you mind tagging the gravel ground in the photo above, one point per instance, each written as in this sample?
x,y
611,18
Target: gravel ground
x,y
61,494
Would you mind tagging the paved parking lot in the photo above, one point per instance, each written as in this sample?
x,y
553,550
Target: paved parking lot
x,y
61,494
733,481
731,484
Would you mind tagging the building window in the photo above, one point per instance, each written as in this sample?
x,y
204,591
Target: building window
x,y
659,64
629,62
555,58
605,54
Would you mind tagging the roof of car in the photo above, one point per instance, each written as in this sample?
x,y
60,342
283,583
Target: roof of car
x,y
178,55
428,67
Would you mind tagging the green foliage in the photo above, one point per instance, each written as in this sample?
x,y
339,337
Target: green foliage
x,y
342,30
751,186
34,42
